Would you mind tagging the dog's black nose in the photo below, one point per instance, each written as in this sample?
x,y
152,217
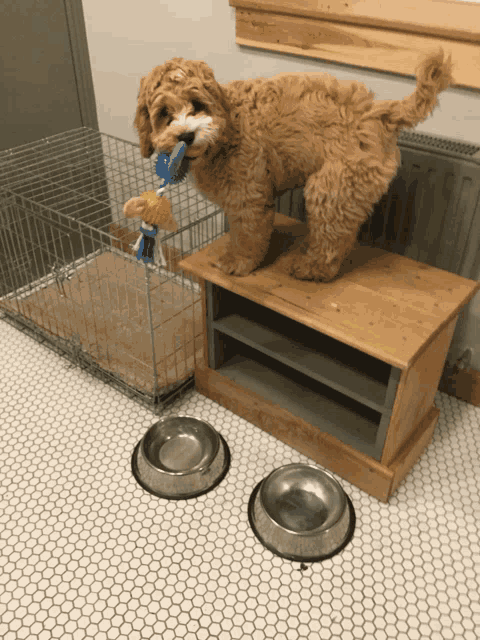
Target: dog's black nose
x,y
188,137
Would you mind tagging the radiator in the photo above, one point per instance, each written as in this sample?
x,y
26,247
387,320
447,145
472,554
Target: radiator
x,y
431,212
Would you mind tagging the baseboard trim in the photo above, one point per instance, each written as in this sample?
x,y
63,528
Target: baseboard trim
x,y
463,384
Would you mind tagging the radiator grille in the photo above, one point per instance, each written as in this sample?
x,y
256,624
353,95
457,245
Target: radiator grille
x,y
447,146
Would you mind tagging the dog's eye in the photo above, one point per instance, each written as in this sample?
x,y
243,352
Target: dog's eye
x,y
164,115
198,106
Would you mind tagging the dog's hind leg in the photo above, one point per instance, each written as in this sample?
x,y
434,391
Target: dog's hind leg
x,y
338,200
249,239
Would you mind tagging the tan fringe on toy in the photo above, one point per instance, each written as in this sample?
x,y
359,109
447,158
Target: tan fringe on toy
x,y
157,210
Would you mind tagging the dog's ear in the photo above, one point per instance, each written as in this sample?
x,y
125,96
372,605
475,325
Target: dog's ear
x,y
142,121
204,71
210,83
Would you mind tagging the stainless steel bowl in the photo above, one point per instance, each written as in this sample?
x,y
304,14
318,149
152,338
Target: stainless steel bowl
x,y
301,512
180,457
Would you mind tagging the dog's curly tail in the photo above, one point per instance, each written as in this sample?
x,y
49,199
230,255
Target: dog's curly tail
x,y
434,74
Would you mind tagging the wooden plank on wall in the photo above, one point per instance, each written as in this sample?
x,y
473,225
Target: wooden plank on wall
x,y
452,19
378,49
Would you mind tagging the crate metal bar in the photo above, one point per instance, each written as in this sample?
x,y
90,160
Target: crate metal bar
x,y
152,335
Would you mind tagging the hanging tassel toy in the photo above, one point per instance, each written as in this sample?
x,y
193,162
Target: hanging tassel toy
x,y
154,208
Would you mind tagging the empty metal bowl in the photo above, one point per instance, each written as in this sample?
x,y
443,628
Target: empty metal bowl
x,y
180,457
301,512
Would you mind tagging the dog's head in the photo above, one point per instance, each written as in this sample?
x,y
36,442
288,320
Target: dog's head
x,y
180,101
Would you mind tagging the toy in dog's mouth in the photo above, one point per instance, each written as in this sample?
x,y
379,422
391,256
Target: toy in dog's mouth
x,y
172,168
190,156
183,168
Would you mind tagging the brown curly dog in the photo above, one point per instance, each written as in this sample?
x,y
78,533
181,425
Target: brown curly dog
x,y
250,140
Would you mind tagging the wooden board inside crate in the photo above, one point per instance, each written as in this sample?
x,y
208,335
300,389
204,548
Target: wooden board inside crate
x,y
104,307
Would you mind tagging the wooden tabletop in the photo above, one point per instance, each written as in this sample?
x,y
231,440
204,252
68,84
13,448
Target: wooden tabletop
x,y
381,303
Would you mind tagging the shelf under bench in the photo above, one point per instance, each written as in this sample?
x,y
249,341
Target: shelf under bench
x,y
346,371
349,421
335,387
307,359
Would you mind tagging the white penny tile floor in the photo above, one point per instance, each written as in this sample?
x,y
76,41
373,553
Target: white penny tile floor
x,y
85,552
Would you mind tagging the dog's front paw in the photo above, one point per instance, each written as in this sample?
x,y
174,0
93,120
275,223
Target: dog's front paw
x,y
235,265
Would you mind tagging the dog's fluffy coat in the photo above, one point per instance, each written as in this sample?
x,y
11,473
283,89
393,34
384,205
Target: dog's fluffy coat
x,y
249,140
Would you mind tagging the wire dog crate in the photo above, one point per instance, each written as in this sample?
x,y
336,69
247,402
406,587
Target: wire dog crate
x,y
68,273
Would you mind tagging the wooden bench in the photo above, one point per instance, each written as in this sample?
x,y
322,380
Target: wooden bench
x,y
344,372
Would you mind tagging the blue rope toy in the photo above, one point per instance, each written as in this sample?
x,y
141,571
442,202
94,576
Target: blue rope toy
x,y
167,170
168,165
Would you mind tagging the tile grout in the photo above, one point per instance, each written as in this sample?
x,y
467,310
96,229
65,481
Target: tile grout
x,y
86,553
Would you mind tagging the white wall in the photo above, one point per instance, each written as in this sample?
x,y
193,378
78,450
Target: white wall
x,y
127,39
